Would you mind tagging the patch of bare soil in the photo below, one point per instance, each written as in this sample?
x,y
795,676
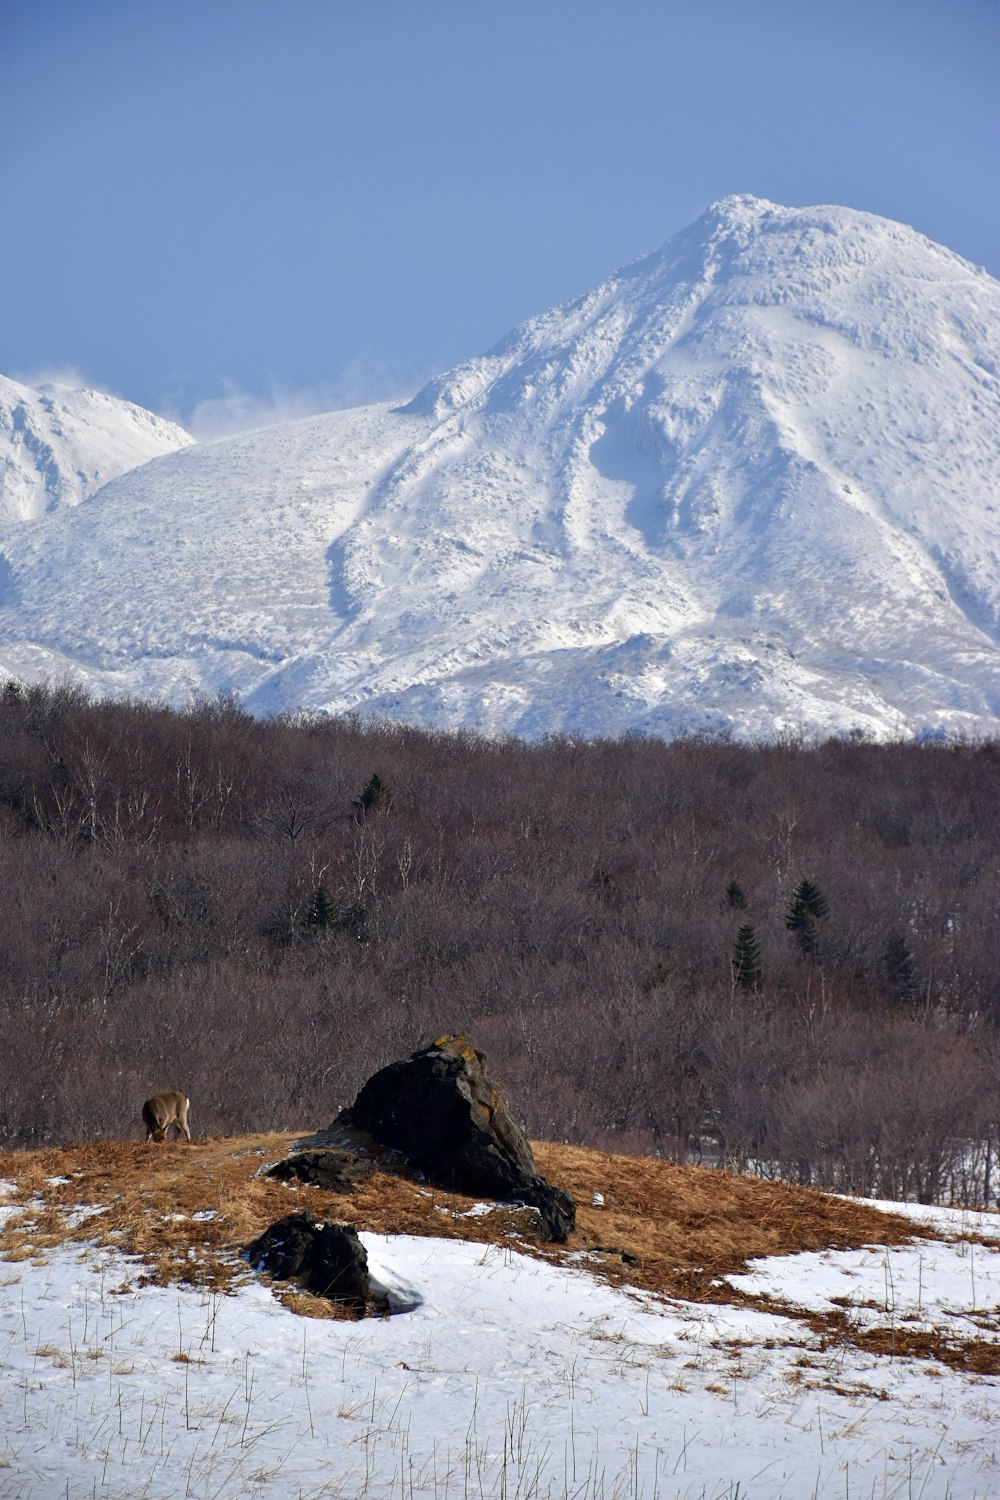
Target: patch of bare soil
x,y
186,1210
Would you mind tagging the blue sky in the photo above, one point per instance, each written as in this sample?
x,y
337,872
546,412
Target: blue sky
x,y
230,209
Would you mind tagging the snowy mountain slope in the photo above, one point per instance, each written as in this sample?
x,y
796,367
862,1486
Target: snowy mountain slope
x,y
747,482
207,569
59,445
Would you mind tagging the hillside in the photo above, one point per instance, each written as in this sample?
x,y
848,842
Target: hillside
x,y
190,887
752,1339
746,484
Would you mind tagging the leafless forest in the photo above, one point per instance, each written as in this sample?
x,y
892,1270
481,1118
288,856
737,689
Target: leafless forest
x,y
782,957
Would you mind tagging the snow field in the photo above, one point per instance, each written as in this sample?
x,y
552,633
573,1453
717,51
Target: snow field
x,y
512,1377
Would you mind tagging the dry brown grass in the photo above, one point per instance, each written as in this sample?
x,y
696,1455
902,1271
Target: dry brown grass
x,y
308,1306
684,1229
894,1339
690,1226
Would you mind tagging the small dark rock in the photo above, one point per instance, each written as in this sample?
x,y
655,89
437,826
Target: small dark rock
x,y
337,1171
448,1119
626,1255
326,1259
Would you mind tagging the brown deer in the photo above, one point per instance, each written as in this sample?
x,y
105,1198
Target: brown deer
x,y
164,1110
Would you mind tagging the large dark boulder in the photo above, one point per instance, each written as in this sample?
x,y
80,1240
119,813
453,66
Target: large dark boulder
x,y
448,1119
326,1259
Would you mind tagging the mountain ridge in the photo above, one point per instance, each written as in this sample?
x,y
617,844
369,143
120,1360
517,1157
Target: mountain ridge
x,y
60,444
743,485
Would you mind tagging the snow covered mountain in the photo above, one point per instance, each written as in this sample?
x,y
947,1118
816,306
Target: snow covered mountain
x,y
59,445
747,482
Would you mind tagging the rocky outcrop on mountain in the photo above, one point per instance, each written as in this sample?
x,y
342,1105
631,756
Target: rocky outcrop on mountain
x,y
440,1109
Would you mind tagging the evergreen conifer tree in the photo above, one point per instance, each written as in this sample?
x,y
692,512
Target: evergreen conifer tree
x,y
376,796
748,971
900,968
735,896
320,908
805,912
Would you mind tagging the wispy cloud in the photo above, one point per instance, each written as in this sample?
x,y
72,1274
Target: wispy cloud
x,y
65,375
360,383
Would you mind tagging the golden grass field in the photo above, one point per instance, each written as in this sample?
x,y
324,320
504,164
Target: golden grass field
x,y
186,1210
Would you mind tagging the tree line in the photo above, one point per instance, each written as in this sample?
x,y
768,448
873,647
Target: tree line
x,y
779,956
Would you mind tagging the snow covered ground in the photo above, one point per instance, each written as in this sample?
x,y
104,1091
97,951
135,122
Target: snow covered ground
x,y
510,1377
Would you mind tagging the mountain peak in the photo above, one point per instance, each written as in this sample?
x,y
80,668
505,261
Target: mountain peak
x,y
60,443
744,484
739,211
